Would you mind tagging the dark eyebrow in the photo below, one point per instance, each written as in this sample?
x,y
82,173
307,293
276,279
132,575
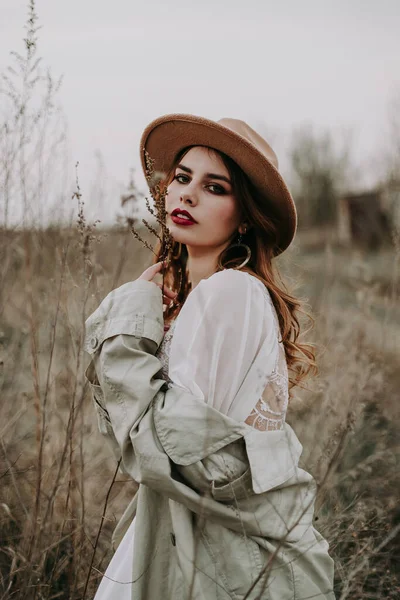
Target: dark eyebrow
x,y
184,168
209,175
221,177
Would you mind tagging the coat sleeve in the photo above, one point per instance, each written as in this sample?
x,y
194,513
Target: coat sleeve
x,y
122,336
161,431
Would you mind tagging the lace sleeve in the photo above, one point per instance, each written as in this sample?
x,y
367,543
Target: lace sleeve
x,y
270,411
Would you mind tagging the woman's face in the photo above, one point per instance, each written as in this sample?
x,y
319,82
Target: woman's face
x,y
201,185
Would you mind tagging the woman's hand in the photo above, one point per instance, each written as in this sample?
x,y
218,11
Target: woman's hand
x,y
149,275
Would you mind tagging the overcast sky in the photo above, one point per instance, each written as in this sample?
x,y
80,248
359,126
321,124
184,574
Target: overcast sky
x,y
334,63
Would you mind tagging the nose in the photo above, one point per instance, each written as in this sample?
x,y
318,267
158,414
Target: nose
x,y
188,199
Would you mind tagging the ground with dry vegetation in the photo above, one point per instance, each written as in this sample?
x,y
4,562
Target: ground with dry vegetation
x,y
56,474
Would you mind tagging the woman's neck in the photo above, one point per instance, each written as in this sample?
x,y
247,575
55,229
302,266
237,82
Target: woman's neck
x,y
201,264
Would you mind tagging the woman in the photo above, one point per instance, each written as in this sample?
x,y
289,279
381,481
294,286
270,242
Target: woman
x,y
197,416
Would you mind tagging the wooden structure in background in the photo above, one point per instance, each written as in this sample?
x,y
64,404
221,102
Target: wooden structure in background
x,y
367,219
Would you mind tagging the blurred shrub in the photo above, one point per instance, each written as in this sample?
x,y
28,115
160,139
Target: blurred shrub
x,y
321,170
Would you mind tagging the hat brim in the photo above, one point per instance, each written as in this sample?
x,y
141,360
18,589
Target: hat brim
x,y
164,137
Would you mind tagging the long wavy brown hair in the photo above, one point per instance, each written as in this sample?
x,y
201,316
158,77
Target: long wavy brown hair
x,y
262,238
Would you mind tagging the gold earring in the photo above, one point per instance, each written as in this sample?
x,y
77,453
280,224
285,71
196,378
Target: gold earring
x,y
238,244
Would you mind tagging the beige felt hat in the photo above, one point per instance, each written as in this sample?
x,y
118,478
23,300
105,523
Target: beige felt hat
x,y
168,135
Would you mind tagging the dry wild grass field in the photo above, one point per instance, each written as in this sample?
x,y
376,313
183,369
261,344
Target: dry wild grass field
x,y
60,496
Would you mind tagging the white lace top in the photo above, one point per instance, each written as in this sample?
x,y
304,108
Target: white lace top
x,y
225,348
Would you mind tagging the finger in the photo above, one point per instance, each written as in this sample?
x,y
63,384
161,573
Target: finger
x,y
167,301
152,271
167,291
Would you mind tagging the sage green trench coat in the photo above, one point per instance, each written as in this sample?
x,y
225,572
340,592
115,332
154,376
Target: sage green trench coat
x,y
222,510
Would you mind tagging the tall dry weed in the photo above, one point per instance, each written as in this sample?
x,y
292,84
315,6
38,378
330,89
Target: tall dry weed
x,y
56,472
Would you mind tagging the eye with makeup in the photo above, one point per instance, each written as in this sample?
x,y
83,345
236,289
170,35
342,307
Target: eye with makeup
x,y
214,188
219,190
181,178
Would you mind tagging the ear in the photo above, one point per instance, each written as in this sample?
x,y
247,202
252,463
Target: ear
x,y
243,228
